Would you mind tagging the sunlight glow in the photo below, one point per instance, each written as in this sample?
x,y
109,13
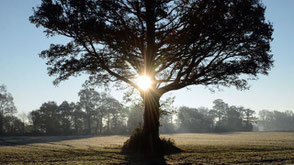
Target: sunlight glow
x,y
144,82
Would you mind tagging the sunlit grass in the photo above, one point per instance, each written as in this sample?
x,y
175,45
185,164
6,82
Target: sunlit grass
x,y
230,148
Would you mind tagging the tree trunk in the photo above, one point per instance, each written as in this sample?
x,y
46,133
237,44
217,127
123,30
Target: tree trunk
x,y
23,127
100,125
1,121
97,126
89,124
151,121
1,124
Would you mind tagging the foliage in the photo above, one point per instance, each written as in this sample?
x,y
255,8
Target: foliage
x,y
195,120
178,43
90,101
48,119
95,113
135,117
7,109
7,106
167,124
222,118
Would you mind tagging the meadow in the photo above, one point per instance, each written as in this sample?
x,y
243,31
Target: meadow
x,y
226,148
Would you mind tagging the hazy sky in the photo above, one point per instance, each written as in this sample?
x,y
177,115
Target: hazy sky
x,y
25,74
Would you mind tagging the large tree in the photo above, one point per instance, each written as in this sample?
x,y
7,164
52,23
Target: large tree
x,y
176,43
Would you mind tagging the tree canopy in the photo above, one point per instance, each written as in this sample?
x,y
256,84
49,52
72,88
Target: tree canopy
x,y
176,42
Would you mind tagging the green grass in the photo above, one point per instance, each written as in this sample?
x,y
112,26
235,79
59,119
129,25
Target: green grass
x,y
229,148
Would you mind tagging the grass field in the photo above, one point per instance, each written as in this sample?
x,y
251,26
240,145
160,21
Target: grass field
x,y
229,148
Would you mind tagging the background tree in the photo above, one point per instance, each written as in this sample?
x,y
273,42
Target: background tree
x,y
111,111
276,121
12,125
115,121
7,107
176,43
219,108
89,102
249,118
233,120
65,111
78,118
195,120
135,117
47,119
23,118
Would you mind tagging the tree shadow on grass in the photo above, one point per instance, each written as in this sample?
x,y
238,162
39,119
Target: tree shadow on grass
x,y
113,156
24,140
135,158
92,154
224,133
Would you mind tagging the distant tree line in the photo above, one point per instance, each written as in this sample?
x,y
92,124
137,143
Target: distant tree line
x,y
100,114
276,121
221,118
94,114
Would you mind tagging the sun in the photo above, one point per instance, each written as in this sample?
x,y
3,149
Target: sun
x,y
144,82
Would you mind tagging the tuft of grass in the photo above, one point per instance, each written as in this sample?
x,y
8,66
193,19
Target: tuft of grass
x,y
138,143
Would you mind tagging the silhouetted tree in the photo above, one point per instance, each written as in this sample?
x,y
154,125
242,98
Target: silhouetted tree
x,y
113,112
135,117
65,111
89,102
117,115
7,107
176,42
232,118
23,118
46,119
249,118
219,108
52,119
167,112
166,124
78,116
100,108
13,125
194,120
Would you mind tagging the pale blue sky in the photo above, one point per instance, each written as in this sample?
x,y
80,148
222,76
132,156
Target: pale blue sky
x,y
25,74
